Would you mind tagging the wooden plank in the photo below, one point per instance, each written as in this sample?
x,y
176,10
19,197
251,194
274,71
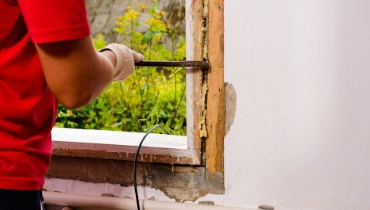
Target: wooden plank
x,y
195,101
216,90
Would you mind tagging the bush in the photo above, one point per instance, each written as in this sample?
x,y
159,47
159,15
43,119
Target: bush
x,y
151,96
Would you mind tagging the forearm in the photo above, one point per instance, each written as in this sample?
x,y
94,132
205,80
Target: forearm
x,y
75,72
100,76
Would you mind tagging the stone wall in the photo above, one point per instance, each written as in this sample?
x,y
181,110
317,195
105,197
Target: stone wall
x,y
103,13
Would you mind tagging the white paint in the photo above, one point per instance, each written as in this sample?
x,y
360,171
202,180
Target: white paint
x,y
301,136
119,138
84,188
98,202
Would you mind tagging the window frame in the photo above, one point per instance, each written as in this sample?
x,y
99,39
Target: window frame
x,y
205,101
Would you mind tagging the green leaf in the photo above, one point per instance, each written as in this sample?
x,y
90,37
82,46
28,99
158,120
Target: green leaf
x,y
156,34
147,36
137,24
179,124
115,125
168,124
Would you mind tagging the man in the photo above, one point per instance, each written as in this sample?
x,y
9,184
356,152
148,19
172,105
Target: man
x,y
46,56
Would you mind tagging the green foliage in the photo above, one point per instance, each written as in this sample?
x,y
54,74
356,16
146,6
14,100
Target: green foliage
x,y
150,96
99,42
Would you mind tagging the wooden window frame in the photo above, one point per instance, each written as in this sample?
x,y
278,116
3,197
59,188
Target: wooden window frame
x,y
205,40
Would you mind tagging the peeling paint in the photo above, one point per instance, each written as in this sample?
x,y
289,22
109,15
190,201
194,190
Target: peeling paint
x,y
181,195
191,188
202,124
230,103
205,8
176,181
204,30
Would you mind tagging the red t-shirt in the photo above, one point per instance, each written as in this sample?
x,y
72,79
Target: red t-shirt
x,y
27,107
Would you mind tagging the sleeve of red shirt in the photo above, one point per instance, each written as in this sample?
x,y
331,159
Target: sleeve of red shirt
x,y
52,21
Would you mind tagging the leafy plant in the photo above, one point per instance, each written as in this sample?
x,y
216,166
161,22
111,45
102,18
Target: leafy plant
x,y
150,96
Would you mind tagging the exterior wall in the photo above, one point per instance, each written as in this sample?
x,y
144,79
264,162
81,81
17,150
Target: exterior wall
x,y
300,137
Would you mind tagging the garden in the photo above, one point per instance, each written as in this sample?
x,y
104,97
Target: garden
x,y
151,95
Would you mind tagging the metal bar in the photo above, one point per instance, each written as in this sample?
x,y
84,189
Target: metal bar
x,y
201,64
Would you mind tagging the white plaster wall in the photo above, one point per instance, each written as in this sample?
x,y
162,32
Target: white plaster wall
x,y
301,136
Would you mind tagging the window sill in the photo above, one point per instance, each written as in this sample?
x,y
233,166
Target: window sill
x,y
116,145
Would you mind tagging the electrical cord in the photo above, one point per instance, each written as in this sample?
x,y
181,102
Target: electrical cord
x,y
135,160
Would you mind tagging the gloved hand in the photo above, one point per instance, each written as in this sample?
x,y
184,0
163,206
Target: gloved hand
x,y
126,59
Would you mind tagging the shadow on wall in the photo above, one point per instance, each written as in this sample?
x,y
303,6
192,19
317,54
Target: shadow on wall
x,y
103,13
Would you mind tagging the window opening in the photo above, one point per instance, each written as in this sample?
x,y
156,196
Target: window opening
x,y
151,96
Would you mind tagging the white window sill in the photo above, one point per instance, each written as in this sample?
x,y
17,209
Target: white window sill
x,y
123,145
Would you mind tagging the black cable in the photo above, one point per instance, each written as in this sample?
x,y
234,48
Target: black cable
x,y
135,160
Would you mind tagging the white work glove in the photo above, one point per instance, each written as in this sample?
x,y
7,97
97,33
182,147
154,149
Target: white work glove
x,y
126,59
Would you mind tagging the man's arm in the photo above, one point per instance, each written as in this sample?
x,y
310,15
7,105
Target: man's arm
x,y
76,73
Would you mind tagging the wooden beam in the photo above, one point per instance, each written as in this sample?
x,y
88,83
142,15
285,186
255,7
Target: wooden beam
x,y
215,119
195,96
